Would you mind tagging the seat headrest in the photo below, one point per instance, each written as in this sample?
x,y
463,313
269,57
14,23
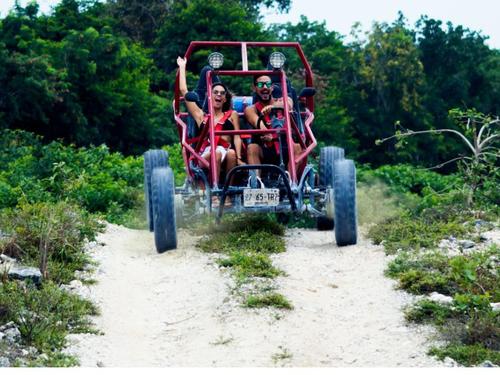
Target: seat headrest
x,y
241,102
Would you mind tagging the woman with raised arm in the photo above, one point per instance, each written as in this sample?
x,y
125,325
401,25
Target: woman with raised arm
x,y
224,118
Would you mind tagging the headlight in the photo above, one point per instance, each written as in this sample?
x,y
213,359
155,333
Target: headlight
x,y
277,60
215,60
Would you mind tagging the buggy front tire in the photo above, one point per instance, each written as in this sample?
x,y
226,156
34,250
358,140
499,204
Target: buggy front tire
x,y
344,191
327,157
152,159
163,202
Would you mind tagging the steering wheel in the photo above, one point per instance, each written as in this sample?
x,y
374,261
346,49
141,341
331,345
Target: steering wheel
x,y
273,113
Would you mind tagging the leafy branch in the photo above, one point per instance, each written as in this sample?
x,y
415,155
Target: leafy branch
x,y
479,133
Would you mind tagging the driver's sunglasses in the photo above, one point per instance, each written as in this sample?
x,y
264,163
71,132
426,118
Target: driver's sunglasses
x,y
262,84
217,92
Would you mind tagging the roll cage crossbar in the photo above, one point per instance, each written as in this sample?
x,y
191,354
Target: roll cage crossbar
x,y
307,140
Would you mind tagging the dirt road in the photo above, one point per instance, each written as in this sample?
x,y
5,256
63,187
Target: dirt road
x,y
177,309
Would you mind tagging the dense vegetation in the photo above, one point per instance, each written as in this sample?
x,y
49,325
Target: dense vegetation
x,y
52,201
102,72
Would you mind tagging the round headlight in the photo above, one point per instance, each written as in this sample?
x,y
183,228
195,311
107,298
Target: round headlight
x,y
215,60
277,60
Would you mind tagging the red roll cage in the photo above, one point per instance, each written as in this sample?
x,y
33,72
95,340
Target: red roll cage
x,y
307,140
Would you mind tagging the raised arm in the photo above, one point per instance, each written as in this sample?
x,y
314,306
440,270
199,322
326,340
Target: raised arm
x,y
192,107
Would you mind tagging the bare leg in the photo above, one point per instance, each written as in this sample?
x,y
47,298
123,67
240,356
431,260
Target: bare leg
x,y
254,155
230,162
218,158
297,150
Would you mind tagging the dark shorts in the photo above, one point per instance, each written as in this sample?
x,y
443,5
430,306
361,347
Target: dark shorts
x,y
271,157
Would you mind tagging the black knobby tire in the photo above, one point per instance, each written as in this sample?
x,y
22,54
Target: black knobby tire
x,y
163,198
328,156
344,192
152,159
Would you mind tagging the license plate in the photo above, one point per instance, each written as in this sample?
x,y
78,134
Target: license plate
x,y
261,197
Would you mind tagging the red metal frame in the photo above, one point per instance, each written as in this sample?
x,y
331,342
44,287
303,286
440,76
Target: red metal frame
x,y
307,143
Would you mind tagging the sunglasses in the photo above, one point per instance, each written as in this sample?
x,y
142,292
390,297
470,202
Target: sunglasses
x,y
217,92
262,84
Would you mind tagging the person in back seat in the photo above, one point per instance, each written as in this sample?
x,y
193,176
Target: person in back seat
x,y
228,149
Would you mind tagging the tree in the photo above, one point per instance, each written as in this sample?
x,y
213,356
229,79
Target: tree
x,y
203,20
140,19
85,85
389,81
328,57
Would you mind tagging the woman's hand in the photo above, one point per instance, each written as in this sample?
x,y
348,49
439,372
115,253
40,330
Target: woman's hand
x,y
181,62
240,162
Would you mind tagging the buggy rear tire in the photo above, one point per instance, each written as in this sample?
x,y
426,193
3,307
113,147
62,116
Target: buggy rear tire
x,y
152,159
163,202
344,191
328,156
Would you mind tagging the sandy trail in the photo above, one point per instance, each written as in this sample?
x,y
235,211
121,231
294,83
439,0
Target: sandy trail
x,y
177,309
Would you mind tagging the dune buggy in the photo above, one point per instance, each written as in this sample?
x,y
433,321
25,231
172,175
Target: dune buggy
x,y
291,186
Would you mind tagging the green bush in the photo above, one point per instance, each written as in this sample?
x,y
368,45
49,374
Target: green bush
x,y
426,311
406,178
50,236
250,264
420,282
409,232
268,300
44,316
97,180
467,355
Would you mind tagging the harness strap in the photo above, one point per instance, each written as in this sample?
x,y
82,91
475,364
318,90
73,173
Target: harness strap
x,y
219,141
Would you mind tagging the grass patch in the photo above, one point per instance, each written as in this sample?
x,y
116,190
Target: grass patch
x,y
427,311
468,355
255,242
245,243
252,223
468,325
221,340
54,359
410,233
268,300
250,264
282,355
420,282
434,272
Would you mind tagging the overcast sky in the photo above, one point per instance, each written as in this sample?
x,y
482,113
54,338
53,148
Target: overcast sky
x,y
339,15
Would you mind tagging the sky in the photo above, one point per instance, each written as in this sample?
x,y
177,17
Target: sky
x,y
340,15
